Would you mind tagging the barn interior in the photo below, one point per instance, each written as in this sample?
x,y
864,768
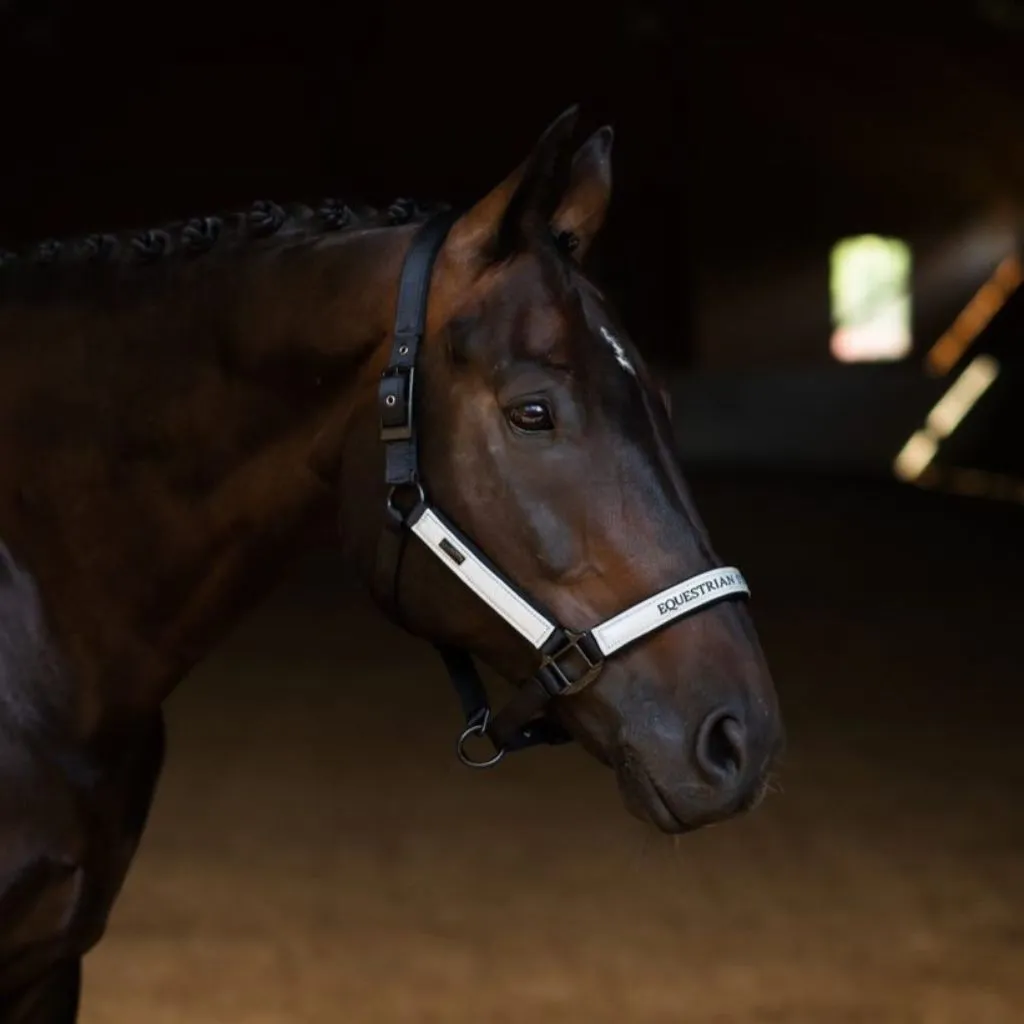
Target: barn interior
x,y
316,852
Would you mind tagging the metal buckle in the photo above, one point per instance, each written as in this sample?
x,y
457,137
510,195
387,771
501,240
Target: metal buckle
x,y
389,400
565,685
477,727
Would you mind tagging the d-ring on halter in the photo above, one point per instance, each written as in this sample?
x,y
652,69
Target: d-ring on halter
x,y
569,660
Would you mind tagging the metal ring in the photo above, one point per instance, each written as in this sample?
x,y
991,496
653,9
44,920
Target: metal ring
x,y
390,503
476,729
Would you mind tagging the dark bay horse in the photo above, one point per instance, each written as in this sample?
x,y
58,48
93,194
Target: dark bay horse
x,y
182,411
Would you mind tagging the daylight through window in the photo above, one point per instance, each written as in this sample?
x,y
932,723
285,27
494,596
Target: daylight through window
x,y
871,299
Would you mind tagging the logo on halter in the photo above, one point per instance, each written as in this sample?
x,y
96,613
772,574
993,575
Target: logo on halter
x,y
451,551
725,581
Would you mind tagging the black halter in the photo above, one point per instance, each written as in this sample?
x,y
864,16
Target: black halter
x,y
569,660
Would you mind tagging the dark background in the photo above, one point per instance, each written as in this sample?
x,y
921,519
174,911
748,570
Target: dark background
x,y
315,853
751,137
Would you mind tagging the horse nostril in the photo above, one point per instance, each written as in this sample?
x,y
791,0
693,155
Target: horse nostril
x,y
721,746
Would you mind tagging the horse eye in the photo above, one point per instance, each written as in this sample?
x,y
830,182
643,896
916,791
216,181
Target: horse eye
x,y
532,416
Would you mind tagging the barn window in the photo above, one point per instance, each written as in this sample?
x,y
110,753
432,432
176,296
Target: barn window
x,y
871,299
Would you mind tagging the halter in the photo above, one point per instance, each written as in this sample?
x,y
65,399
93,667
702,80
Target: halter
x,y
569,660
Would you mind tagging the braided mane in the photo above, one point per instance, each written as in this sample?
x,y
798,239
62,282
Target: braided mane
x,y
191,238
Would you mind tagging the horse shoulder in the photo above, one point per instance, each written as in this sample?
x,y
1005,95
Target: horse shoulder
x,y
70,819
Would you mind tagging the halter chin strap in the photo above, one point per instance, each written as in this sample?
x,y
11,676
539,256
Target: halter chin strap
x,y
569,660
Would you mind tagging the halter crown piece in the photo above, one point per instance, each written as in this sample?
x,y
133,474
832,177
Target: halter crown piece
x,y
569,660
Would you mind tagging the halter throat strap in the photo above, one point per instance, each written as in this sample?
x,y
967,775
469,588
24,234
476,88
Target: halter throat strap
x,y
568,660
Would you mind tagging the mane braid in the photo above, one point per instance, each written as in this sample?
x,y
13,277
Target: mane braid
x,y
198,235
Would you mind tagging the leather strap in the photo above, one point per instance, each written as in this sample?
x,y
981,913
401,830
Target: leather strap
x,y
397,394
388,567
517,725
397,403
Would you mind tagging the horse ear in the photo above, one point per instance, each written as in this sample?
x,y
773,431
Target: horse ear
x,y
491,228
585,203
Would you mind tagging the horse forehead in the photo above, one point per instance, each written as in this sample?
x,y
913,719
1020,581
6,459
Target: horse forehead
x,y
529,281
523,304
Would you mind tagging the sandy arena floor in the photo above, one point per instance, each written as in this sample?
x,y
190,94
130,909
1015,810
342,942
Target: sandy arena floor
x,y
317,856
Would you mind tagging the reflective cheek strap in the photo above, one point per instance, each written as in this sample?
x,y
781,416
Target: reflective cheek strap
x,y
458,555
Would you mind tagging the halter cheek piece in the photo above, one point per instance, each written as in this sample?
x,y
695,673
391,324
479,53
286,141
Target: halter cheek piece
x,y
569,660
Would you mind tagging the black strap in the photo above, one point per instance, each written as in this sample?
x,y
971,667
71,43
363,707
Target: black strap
x,y
388,566
396,403
467,682
396,397
516,726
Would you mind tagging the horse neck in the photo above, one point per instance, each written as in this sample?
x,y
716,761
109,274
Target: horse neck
x,y
160,481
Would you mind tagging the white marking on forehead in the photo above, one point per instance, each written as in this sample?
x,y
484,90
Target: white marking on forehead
x,y
620,352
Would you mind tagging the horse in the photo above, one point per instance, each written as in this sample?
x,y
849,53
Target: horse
x,y
447,397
